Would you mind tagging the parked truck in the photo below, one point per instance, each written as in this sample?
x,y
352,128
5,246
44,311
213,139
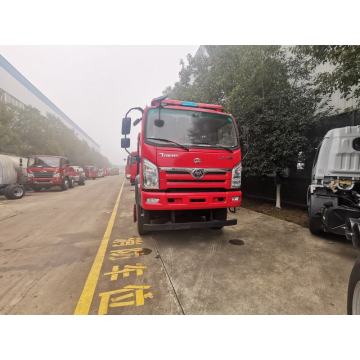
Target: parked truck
x,y
47,171
91,172
77,174
189,165
131,168
114,171
12,176
334,194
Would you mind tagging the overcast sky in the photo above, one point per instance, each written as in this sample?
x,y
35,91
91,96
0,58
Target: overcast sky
x,y
96,85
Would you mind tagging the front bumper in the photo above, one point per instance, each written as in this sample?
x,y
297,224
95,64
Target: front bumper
x,y
46,181
336,218
190,200
190,225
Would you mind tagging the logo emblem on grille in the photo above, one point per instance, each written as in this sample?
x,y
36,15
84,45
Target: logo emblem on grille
x,y
197,161
198,173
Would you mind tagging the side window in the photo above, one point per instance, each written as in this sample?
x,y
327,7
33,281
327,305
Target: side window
x,y
226,135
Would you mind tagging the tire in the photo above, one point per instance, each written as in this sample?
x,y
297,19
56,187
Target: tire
x,y
142,217
353,300
219,214
65,184
315,223
82,182
71,183
14,192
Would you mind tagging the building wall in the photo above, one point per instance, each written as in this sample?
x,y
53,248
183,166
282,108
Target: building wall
x,y
17,90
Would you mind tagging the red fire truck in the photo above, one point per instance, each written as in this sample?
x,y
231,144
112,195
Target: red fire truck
x,y
189,165
91,172
47,171
131,167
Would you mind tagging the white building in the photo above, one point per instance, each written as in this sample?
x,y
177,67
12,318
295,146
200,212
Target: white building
x,y
17,90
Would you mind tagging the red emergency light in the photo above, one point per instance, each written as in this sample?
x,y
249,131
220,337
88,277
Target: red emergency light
x,y
171,102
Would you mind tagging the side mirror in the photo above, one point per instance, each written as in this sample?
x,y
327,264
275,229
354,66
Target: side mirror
x,y
126,126
125,143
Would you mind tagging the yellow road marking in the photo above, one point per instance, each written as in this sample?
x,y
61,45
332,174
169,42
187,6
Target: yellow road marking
x,y
87,295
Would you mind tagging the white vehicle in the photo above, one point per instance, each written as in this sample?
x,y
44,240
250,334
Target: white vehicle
x,y
12,178
78,174
334,194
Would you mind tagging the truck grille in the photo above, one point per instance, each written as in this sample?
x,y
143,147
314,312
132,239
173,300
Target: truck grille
x,y
44,175
178,178
189,170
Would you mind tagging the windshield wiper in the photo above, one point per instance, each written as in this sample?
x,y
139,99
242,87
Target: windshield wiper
x,y
169,141
215,146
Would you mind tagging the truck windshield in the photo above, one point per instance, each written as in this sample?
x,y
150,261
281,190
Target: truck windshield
x,y
191,128
46,161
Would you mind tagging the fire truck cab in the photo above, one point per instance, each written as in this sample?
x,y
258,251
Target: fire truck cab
x,y
189,160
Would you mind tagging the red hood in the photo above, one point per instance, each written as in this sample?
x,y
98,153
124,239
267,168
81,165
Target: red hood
x,y
43,169
197,158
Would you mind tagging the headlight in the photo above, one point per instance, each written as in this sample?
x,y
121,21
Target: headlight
x,y
236,176
150,175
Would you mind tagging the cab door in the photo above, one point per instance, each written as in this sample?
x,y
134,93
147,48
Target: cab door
x,y
73,174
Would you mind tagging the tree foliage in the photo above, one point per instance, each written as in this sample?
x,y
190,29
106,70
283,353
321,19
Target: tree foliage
x,y
342,71
268,91
26,132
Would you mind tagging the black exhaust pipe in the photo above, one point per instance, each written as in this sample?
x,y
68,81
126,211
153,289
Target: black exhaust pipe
x,y
352,231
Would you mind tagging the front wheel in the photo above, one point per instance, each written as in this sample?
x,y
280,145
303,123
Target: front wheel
x,y
142,217
315,223
353,300
13,192
65,185
219,214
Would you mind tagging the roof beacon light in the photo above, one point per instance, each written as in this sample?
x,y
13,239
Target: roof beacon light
x,y
189,103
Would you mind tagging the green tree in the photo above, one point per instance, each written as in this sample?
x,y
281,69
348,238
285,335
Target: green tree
x,y
8,138
342,72
26,132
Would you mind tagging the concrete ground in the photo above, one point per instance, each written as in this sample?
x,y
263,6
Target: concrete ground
x,y
49,260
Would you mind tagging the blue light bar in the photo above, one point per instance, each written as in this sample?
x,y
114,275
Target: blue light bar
x,y
189,103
